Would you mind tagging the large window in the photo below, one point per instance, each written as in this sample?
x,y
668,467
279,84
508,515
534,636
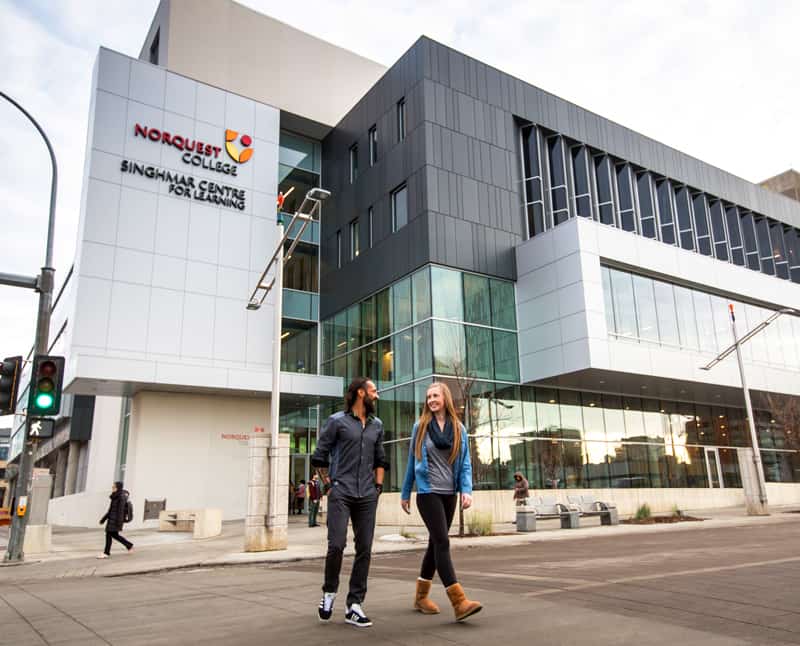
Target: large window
x,y
399,208
370,227
701,227
533,181
339,249
647,208
655,311
605,200
299,348
558,179
627,218
665,211
580,179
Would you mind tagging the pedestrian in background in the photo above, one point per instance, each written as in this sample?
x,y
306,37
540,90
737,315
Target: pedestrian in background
x,y
314,496
439,463
300,496
520,489
291,497
115,518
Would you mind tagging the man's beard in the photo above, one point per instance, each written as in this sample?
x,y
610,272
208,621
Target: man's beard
x,y
369,405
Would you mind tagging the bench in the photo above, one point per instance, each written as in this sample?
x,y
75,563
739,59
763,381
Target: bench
x,y
546,508
5,516
203,523
588,506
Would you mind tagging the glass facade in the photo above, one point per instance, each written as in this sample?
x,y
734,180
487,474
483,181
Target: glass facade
x,y
299,167
655,311
564,178
568,439
436,321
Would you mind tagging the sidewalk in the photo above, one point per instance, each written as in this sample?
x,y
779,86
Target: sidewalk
x,y
74,550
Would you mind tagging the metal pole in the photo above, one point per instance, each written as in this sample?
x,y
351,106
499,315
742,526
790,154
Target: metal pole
x,y
16,539
275,398
759,467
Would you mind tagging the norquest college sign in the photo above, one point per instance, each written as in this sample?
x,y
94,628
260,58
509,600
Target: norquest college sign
x,y
201,155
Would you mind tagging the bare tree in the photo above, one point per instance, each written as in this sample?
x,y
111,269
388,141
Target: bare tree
x,y
785,411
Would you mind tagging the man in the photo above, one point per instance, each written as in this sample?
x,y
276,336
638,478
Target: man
x,y
351,462
314,495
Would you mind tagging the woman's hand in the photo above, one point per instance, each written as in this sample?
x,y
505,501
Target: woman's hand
x,y
466,501
406,505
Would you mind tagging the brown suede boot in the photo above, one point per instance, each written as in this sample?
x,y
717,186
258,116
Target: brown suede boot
x,y
462,606
422,602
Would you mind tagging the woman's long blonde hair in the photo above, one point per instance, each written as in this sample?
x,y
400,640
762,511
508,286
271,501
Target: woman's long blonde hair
x,y
426,418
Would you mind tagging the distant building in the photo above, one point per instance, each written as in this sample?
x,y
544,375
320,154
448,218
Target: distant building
x,y
787,183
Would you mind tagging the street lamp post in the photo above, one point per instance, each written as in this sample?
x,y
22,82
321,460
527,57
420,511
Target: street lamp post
x,y
761,508
43,283
272,535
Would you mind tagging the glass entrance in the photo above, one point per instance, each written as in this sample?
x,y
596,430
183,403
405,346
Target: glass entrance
x,y
712,467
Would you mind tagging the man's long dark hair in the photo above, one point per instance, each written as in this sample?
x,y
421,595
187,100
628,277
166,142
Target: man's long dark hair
x,y
351,396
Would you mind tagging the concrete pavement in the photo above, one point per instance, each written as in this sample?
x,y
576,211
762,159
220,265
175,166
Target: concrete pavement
x,y
721,584
74,550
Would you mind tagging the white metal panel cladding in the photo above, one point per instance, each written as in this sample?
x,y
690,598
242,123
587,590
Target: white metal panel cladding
x,y
175,221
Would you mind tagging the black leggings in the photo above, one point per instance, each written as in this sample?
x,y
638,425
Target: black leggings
x,y
116,536
437,512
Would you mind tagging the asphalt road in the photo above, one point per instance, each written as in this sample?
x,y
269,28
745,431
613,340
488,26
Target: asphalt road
x,y
720,586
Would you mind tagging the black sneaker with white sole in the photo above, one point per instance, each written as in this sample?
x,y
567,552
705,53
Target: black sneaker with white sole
x,y
355,615
325,609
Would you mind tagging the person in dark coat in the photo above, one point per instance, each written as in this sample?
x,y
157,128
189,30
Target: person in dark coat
x,y
114,519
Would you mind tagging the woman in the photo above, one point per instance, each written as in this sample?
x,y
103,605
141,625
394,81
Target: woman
x,y
114,519
439,462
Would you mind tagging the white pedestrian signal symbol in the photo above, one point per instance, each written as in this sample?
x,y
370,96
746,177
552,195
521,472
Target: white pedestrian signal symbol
x,y
40,428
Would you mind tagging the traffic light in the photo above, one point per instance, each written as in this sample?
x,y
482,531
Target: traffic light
x,y
9,384
47,378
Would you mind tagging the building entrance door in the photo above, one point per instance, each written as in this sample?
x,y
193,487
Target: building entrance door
x,y
299,470
713,470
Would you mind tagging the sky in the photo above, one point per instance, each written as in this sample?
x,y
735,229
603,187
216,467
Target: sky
x,y
714,79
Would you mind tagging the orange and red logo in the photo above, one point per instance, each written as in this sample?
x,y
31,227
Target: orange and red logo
x,y
246,141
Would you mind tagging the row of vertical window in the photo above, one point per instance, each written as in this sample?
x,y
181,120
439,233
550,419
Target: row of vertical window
x,y
372,140
565,178
655,311
399,214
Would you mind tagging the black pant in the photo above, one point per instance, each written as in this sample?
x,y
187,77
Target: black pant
x,y
116,536
361,512
437,512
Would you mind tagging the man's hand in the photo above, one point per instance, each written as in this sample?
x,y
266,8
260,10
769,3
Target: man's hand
x,y
406,505
466,501
379,488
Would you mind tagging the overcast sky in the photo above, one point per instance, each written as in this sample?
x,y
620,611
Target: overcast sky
x,y
717,80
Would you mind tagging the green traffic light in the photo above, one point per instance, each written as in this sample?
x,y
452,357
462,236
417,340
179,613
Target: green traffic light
x,y
44,401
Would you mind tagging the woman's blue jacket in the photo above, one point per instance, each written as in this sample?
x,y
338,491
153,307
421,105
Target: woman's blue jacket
x,y
417,470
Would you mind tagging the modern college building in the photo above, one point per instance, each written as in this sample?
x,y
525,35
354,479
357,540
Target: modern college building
x,y
566,276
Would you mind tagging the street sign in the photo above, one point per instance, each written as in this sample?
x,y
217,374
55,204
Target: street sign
x,y
40,428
